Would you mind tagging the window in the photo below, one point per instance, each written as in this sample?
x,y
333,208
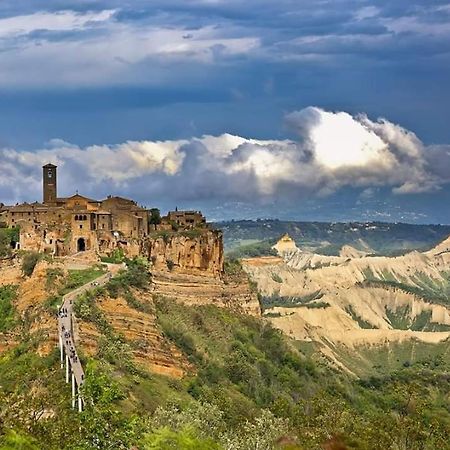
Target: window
x,y
81,227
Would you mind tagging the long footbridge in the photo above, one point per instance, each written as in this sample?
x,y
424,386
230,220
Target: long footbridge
x,y
70,360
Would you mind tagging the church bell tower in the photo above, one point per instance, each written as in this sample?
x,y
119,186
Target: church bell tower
x,y
49,181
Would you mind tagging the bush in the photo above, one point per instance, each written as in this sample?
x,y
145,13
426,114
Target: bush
x,y
233,266
155,216
8,236
116,257
170,264
7,311
16,441
52,276
185,439
277,278
136,276
29,261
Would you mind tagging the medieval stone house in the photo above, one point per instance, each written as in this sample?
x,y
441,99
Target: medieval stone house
x,y
64,226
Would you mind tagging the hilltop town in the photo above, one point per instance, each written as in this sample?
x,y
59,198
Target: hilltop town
x,y
65,226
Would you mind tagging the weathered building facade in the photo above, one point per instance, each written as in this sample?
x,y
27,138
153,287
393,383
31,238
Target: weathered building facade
x,y
63,226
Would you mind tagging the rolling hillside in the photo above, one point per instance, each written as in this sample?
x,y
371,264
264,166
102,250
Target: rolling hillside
x,y
254,238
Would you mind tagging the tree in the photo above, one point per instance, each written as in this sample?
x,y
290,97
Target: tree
x,y
29,262
155,216
186,439
16,441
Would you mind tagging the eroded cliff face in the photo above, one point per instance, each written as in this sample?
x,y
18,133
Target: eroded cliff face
x,y
234,292
148,346
189,267
188,252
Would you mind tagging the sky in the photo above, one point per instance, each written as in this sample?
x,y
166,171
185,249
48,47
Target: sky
x,y
307,110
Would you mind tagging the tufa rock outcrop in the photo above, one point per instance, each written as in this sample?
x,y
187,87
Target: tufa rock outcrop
x,y
193,251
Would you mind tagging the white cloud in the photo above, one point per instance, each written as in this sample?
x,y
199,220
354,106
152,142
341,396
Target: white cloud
x,y
366,12
116,52
60,21
334,150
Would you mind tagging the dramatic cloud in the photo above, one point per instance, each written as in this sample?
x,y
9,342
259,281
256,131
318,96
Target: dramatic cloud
x,y
333,151
135,42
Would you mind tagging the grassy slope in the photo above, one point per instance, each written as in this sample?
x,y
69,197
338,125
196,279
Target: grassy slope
x,y
241,368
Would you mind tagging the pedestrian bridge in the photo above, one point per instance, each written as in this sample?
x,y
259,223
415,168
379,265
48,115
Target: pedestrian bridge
x,y
68,351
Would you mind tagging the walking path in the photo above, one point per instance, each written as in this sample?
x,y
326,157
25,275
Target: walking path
x,y
69,356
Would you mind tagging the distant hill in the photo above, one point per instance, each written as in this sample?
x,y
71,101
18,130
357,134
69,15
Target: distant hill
x,y
254,238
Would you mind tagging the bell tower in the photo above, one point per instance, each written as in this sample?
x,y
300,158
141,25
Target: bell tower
x,y
49,183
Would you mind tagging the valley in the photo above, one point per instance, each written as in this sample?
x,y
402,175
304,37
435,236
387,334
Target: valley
x,y
356,304
292,351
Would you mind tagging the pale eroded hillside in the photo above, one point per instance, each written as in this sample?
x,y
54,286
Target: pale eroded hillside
x,y
357,300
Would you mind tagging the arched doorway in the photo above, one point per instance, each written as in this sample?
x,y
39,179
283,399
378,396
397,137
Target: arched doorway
x,y
81,245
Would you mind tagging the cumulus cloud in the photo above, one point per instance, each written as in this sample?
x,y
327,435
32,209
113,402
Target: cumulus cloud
x,y
333,150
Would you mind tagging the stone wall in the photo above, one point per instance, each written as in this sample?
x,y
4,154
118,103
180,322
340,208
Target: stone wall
x,y
200,251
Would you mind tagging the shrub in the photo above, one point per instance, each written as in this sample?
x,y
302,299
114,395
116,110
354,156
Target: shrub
x,y
52,277
29,261
233,266
155,216
116,257
8,236
7,311
185,439
277,278
170,264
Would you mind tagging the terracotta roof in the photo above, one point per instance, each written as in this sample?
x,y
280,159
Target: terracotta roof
x,y
90,200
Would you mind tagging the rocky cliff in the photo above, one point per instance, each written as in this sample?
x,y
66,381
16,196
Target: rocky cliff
x,y
198,251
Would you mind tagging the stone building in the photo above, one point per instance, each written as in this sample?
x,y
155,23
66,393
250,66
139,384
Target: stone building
x,y
186,219
63,226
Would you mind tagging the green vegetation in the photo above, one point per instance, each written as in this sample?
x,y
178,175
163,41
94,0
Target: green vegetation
x,y
274,300
155,216
247,385
232,267
420,358
135,276
8,236
7,311
277,278
254,238
167,235
78,278
29,261
116,257
60,284
361,322
429,289
53,276
399,318
251,388
191,234
258,248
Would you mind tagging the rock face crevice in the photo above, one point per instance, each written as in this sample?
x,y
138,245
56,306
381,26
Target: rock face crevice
x,y
200,252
